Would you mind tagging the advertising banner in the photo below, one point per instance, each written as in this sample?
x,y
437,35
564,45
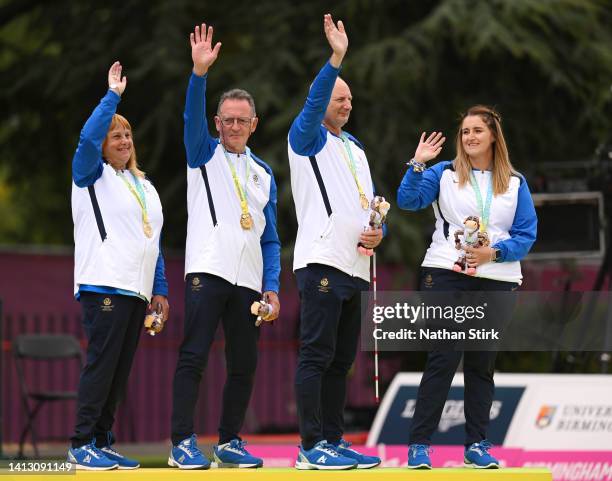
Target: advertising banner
x,y
529,411
564,411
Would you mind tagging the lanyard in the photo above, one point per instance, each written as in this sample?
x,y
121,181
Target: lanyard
x,y
350,161
246,220
240,191
139,195
485,210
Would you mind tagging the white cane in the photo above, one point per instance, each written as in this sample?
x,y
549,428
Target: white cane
x,y
376,396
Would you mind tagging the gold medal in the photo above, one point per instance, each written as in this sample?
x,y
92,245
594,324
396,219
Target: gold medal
x,y
148,230
365,203
246,221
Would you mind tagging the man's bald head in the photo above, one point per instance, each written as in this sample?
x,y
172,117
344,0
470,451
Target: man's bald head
x,y
339,107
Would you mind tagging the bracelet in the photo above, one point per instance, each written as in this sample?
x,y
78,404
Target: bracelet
x,y
416,166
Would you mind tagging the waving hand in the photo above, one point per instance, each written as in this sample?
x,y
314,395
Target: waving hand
x,y
429,148
337,38
116,83
202,52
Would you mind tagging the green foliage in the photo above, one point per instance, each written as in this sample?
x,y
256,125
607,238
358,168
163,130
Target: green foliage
x,y
412,66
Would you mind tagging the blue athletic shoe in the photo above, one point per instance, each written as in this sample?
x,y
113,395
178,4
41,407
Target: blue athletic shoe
x,y
233,455
323,456
418,456
477,456
363,462
90,458
186,455
120,459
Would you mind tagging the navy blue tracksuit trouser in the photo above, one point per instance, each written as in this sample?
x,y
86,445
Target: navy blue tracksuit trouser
x,y
330,319
478,367
112,323
209,299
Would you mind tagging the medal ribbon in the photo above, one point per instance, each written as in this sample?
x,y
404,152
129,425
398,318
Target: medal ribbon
x,y
485,210
350,161
240,191
138,193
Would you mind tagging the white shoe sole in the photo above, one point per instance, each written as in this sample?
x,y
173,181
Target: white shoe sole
x,y
420,466
475,466
302,465
174,464
92,468
218,464
128,467
70,459
367,466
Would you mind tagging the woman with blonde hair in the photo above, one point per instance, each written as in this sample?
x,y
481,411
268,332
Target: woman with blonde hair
x,y
118,272
480,183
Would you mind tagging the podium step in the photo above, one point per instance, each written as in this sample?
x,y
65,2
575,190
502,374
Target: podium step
x,y
282,474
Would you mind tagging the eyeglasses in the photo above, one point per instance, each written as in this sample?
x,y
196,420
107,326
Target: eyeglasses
x,y
242,121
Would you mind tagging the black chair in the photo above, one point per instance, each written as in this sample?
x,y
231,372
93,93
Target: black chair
x,y
42,347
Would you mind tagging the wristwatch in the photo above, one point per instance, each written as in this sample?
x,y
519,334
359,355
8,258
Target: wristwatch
x,y
496,255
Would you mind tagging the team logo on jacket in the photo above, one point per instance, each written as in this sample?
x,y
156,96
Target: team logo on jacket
x,y
324,285
107,304
256,179
195,284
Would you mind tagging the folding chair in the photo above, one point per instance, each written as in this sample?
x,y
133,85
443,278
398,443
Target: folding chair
x,y
41,347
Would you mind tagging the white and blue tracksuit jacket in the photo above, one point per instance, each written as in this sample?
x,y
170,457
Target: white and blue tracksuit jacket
x,y
111,253
216,243
328,233
512,224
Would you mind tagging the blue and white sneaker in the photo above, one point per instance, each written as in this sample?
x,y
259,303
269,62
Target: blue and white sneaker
x,y
120,459
363,461
418,456
233,455
477,456
323,456
90,458
186,455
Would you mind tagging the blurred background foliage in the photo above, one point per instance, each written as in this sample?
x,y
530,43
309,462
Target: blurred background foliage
x,y
413,66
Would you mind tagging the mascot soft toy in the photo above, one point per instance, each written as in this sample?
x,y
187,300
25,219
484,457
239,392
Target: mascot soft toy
x,y
472,237
378,216
262,310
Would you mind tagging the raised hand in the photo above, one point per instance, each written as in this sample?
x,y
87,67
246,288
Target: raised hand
x,y
430,148
202,52
337,38
116,83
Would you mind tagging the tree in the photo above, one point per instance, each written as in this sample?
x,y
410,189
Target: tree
x,y
411,65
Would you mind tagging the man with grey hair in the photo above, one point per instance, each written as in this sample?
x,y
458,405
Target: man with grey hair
x,y
232,259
